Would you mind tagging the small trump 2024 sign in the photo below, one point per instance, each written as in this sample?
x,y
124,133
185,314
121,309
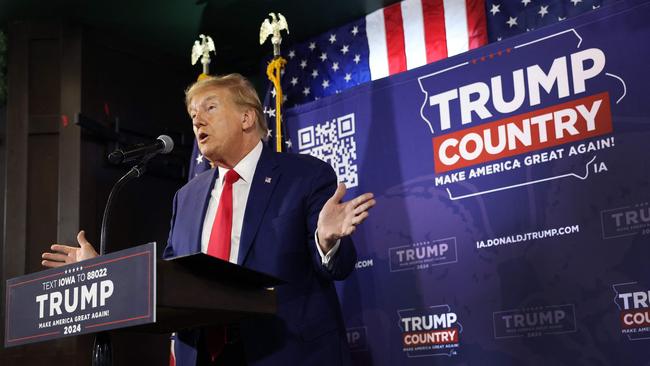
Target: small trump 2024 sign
x,y
116,290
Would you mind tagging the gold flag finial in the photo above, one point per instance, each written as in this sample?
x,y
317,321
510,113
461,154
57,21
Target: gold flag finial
x,y
201,49
273,29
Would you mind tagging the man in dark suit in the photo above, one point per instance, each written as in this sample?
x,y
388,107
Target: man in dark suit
x,y
276,213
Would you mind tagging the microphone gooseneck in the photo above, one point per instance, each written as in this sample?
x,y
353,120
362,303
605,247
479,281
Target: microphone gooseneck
x,y
163,145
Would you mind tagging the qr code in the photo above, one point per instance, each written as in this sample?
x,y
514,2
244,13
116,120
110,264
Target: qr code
x,y
333,142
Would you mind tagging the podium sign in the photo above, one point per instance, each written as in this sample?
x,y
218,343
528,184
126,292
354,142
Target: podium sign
x,y
112,291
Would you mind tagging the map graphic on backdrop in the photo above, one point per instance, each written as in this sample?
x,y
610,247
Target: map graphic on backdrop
x,y
512,183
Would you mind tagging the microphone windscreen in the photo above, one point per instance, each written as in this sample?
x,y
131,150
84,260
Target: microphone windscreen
x,y
167,142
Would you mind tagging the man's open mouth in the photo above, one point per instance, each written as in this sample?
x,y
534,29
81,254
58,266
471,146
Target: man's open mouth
x,y
202,136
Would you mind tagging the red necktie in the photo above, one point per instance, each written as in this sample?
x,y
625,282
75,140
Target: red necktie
x,y
219,244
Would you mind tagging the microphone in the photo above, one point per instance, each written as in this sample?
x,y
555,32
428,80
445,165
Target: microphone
x,y
163,144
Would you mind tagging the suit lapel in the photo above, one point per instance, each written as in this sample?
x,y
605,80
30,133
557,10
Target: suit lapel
x,y
203,194
264,181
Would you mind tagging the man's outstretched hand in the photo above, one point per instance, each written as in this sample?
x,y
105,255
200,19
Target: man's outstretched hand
x,y
64,254
338,219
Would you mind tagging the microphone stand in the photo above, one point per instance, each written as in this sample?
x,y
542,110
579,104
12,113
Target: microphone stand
x,y
102,348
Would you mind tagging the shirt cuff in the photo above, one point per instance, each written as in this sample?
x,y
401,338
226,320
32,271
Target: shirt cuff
x,y
326,259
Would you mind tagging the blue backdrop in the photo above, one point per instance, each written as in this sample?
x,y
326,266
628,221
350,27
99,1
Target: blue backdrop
x,y
513,204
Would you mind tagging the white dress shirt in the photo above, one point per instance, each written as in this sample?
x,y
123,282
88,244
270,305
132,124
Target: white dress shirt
x,y
240,190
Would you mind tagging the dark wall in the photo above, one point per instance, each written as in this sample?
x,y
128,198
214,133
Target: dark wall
x,y
55,177
141,94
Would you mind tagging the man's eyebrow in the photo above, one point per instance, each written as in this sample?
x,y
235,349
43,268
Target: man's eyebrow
x,y
206,100
209,99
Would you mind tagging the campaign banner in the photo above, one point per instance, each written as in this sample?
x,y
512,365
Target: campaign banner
x,y
512,186
116,290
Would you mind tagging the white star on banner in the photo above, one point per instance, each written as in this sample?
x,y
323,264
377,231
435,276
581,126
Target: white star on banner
x,y
332,38
355,30
335,66
284,98
543,10
314,73
512,22
292,54
357,59
345,49
326,84
347,77
303,64
323,56
495,9
575,2
525,2
312,45
269,133
594,7
559,19
288,142
199,159
306,91
273,92
294,81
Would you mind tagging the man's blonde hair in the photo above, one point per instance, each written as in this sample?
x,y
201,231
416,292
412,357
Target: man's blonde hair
x,y
241,91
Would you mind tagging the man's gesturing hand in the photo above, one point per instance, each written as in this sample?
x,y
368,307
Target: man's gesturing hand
x,y
64,254
338,219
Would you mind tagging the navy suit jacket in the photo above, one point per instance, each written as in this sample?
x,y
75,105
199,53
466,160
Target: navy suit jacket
x,y
287,193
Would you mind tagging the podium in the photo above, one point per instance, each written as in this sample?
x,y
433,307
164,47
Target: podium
x,y
133,290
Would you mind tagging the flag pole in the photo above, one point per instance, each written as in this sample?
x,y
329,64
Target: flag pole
x,y
274,69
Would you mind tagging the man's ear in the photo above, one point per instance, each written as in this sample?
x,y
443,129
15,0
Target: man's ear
x,y
248,119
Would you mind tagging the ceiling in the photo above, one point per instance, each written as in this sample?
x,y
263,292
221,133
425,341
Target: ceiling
x,y
171,26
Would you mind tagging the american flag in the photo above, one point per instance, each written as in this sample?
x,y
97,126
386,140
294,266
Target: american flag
x,y
401,37
407,35
388,41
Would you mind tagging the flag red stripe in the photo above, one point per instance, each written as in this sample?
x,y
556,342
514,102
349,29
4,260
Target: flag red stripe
x,y
395,39
476,23
433,15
